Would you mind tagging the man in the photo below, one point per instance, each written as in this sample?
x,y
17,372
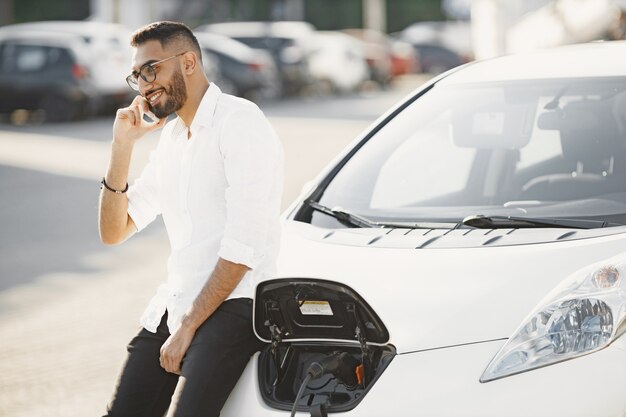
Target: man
x,y
216,178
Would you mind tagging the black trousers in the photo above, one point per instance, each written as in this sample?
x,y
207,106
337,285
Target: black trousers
x,y
218,354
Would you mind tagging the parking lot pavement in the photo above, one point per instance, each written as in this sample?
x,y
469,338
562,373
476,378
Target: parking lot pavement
x,y
63,339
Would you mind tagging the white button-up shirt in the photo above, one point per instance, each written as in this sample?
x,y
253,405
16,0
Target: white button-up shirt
x,y
219,194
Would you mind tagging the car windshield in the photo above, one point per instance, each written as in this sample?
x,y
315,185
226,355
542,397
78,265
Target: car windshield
x,y
536,149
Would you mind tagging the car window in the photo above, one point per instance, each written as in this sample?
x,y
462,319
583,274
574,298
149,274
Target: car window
x,y
30,58
546,143
541,147
59,58
397,182
26,58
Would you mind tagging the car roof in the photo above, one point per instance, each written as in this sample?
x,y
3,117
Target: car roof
x,y
225,45
595,59
330,37
49,39
41,37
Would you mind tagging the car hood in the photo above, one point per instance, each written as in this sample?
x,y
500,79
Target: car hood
x,y
433,296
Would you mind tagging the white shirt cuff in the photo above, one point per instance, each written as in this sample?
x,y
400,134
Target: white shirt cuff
x,y
234,251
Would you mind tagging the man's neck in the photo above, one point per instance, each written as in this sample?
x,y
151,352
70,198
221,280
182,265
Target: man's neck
x,y
194,97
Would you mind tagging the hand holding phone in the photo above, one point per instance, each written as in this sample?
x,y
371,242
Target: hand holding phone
x,y
133,122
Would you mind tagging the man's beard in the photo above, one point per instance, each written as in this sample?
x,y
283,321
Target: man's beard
x,y
176,97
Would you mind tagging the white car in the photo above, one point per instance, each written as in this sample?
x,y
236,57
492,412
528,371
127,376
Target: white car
x,y
466,256
338,62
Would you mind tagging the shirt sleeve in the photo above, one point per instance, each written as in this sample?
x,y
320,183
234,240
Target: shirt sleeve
x,y
253,160
143,197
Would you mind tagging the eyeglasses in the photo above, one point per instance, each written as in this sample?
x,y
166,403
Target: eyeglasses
x,y
147,72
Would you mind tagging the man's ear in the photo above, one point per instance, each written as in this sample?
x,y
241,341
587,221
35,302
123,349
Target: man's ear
x,y
190,62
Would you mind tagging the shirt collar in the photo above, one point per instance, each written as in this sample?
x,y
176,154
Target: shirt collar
x,y
206,110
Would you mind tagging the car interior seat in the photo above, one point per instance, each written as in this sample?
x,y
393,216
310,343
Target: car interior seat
x,y
591,149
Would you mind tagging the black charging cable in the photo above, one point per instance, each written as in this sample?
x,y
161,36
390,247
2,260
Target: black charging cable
x,y
341,364
300,391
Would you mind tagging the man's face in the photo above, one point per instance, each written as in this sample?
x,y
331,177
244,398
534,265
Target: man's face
x,y
167,93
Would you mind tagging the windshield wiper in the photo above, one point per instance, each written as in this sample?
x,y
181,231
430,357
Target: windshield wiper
x,y
345,216
494,222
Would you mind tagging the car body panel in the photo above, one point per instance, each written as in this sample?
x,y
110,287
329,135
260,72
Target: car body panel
x,y
572,61
444,383
494,286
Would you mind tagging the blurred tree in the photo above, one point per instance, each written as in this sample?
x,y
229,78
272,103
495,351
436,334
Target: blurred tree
x,y
401,13
32,10
197,12
287,10
324,14
333,14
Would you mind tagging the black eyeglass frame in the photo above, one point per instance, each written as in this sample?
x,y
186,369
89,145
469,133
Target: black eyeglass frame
x,y
133,78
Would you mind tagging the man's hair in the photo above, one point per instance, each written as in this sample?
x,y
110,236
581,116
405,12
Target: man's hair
x,y
167,33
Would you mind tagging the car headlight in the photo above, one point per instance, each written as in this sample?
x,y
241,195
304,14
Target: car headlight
x,y
582,315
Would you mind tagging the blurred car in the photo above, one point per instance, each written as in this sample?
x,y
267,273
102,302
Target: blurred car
x,y
109,54
404,58
243,71
435,59
454,35
439,46
338,62
46,71
289,44
463,257
378,53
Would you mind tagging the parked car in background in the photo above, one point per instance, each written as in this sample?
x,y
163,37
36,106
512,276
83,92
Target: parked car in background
x,y
108,55
378,53
48,72
338,62
463,257
404,58
435,59
289,44
243,71
439,46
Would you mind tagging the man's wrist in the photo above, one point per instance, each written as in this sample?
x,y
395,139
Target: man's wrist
x,y
188,324
122,144
113,190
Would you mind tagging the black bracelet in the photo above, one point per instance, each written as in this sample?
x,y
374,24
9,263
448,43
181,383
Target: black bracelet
x,y
104,183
